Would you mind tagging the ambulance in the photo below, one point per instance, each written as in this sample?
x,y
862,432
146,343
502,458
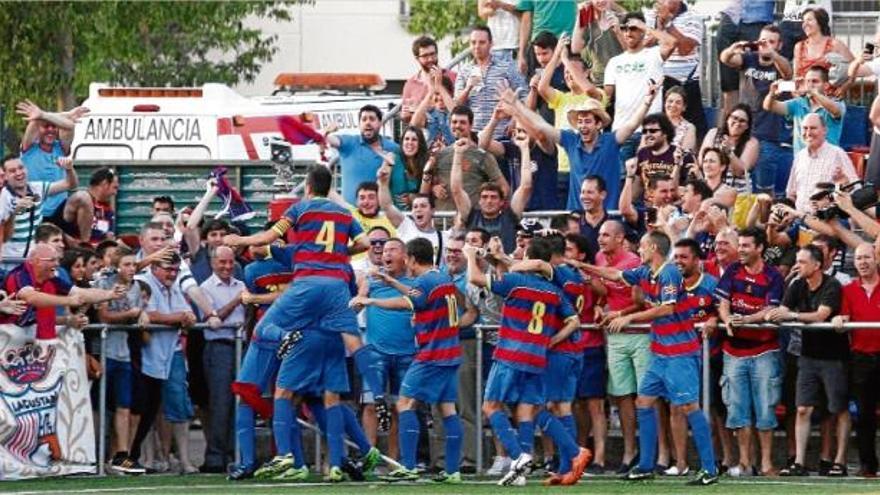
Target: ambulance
x,y
213,122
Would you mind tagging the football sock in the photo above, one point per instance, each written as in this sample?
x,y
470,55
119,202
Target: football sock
x,y
408,435
501,426
281,425
335,432
703,439
244,431
454,438
647,417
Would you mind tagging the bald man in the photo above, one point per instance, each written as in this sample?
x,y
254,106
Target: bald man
x,y
819,161
34,282
861,302
218,359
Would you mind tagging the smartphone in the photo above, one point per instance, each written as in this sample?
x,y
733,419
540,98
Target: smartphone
x,y
650,215
752,45
869,48
786,87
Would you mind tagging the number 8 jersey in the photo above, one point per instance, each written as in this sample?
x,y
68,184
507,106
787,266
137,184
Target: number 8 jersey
x,y
322,231
534,309
435,319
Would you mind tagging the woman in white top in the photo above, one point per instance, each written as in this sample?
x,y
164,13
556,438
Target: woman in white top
x,y
734,138
674,107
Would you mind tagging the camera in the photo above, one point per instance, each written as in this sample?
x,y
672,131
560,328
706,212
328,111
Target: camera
x,y
862,197
752,45
869,48
650,215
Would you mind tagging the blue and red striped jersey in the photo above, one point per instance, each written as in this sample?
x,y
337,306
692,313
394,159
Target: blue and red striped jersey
x,y
700,304
580,295
43,317
433,299
534,309
322,231
749,293
672,335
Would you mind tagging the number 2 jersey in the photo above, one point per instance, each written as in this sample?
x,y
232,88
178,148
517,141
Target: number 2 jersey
x,y
322,231
672,335
534,310
435,319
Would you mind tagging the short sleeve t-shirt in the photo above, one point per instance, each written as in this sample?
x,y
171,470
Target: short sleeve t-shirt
x,y
561,102
358,163
478,167
749,293
798,108
555,16
43,166
603,160
629,74
682,66
755,80
651,165
818,344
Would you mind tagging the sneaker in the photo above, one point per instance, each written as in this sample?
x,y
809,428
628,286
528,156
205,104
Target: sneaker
x,y
519,481
371,460
500,465
824,467
288,343
335,475
794,469
521,466
353,469
550,465
675,471
447,479
241,472
273,467
294,474
188,469
383,414
626,467
401,474
127,465
594,470
704,478
578,464
635,474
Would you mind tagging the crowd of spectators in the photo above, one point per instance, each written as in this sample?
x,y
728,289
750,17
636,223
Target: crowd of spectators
x,y
584,108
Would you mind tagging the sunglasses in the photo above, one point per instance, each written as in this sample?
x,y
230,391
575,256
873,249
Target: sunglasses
x,y
650,131
378,242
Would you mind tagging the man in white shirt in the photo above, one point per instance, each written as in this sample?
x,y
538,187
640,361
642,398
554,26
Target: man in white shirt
x,y
218,358
820,161
418,223
627,75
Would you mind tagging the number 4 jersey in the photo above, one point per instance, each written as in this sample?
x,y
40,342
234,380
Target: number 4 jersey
x,y
534,309
435,319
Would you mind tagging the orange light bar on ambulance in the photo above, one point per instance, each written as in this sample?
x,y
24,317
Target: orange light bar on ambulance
x,y
151,92
321,80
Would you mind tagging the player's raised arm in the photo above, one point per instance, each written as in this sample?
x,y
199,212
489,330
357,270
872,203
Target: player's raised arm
x,y
259,239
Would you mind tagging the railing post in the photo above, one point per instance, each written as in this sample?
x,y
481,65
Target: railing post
x,y
707,401
102,403
478,414
239,335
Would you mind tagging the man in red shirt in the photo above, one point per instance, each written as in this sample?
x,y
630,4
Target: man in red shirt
x,y
726,242
628,352
861,302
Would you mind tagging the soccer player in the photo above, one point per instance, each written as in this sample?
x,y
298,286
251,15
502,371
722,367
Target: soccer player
x,y
317,299
674,371
536,316
433,376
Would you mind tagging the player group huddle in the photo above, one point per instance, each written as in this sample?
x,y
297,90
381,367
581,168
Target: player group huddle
x,y
299,349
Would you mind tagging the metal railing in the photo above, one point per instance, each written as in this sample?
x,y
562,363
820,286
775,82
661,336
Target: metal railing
x,y
479,365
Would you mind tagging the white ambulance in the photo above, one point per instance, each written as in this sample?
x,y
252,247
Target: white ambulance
x,y
213,122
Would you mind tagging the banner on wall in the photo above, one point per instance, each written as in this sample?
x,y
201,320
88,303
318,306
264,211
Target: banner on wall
x,y
46,426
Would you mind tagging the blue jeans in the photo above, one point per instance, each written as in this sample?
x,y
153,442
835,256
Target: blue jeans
x,y
773,167
392,369
750,388
218,359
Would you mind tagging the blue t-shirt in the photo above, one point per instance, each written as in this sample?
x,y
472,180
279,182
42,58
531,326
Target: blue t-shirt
x,y
43,166
359,163
544,179
756,81
603,161
390,331
799,108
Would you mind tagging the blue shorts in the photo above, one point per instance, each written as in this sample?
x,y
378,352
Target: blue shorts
x,y
260,365
512,386
592,380
315,365
392,369
560,377
430,383
311,302
119,384
677,379
176,403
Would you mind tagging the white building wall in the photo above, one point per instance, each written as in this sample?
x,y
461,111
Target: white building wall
x,y
339,36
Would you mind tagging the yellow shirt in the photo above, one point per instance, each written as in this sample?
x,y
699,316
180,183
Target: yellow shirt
x,y
368,223
560,103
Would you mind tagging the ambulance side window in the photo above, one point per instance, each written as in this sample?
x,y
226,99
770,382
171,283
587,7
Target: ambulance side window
x,y
180,153
103,152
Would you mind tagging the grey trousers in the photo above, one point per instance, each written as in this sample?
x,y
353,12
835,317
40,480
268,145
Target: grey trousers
x,y
218,359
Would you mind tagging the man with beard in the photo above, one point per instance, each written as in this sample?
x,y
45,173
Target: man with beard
x,y
590,151
361,156
478,167
366,209
424,49
46,139
659,156
660,194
